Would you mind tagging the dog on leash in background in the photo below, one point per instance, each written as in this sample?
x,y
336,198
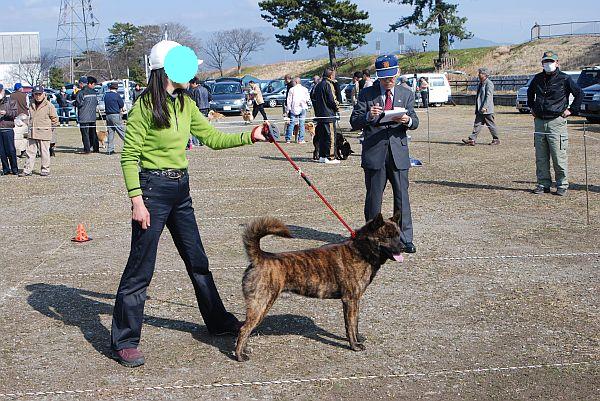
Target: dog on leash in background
x,y
102,137
338,271
342,147
214,116
247,116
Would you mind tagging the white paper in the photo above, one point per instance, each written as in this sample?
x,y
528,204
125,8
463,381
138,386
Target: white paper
x,y
389,115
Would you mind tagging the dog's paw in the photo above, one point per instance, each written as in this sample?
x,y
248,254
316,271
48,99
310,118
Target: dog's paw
x,y
358,347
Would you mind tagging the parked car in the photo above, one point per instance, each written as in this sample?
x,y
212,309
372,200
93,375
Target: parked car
x,y
228,96
439,87
590,107
275,98
589,76
521,102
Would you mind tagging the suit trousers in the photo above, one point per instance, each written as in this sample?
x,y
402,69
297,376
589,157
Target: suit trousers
x,y
375,182
169,203
481,120
325,131
89,137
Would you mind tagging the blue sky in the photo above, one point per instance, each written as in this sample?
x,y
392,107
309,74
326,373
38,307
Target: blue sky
x,y
506,21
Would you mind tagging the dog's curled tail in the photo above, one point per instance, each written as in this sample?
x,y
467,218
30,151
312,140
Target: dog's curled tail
x,y
259,228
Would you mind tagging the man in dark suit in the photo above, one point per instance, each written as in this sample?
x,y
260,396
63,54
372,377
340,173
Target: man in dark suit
x,y
385,146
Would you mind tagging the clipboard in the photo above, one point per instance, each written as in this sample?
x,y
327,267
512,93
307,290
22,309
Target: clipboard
x,y
387,116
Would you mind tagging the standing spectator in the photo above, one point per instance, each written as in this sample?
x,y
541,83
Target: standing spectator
x,y
21,98
289,84
404,83
8,154
385,155
297,105
63,104
87,103
366,80
315,82
258,103
326,107
200,95
137,91
484,109
114,106
43,119
548,94
424,91
356,78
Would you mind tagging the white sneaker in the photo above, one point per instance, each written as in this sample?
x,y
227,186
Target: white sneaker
x,y
301,141
328,161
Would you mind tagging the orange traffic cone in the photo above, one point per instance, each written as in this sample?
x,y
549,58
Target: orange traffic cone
x,y
81,235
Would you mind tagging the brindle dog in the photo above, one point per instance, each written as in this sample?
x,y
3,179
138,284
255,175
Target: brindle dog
x,y
338,271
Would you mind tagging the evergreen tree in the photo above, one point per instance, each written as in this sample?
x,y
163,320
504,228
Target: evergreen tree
x,y
431,17
331,23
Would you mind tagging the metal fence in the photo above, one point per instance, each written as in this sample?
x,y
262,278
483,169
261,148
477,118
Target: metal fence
x,y
508,83
565,29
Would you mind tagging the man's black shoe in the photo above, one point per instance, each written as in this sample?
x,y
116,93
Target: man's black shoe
x,y
409,247
540,189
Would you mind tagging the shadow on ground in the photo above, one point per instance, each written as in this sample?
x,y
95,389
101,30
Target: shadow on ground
x,y
83,309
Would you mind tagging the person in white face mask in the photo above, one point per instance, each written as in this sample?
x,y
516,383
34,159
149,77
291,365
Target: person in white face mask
x,y
548,97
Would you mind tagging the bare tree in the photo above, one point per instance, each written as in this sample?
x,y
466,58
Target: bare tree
x,y
182,35
240,43
33,71
215,51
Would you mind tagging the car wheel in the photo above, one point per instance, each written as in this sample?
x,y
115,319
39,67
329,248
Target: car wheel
x,y
523,111
593,120
272,103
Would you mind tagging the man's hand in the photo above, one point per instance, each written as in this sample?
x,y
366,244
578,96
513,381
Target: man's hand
x,y
375,110
139,212
403,119
2,112
566,113
483,110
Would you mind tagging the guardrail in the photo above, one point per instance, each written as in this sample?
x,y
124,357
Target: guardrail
x,y
565,29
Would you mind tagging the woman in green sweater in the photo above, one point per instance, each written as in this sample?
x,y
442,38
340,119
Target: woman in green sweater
x,y
155,170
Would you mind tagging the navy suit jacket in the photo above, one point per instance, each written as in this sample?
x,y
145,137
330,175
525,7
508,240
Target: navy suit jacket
x,y
379,138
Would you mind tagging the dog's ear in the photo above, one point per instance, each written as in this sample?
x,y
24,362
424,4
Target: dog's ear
x,y
396,217
376,223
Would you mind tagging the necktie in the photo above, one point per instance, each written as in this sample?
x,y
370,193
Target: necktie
x,y
388,100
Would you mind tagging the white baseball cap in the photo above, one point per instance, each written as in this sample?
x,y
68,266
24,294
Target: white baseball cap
x,y
159,53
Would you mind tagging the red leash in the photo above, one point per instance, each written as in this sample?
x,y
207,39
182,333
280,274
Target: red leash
x,y
267,133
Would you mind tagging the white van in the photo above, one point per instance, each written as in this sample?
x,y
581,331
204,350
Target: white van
x,y
439,87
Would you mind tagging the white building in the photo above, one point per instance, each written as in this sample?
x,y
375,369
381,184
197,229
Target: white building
x,y
19,52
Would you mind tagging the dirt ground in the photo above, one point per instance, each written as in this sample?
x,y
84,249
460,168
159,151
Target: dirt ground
x,y
499,302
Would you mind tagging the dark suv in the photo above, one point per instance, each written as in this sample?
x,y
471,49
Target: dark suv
x,y
589,81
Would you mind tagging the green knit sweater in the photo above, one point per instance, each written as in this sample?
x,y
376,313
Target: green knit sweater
x,y
152,148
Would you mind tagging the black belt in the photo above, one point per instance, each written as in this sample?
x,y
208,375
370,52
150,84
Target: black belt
x,y
171,173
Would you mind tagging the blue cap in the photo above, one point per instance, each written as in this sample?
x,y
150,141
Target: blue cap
x,y
83,80
386,66
18,86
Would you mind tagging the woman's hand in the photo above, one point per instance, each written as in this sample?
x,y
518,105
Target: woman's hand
x,y
257,135
139,212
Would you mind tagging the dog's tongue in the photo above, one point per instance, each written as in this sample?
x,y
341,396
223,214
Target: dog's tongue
x,y
398,257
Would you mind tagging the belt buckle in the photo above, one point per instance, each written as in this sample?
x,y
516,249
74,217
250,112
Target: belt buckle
x,y
174,174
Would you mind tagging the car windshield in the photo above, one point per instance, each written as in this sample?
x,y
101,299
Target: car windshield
x,y
588,78
436,81
227,88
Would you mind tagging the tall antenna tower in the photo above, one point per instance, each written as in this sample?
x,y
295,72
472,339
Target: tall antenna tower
x,y
76,37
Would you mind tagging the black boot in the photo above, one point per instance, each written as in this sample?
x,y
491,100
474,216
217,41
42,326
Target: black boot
x,y
52,152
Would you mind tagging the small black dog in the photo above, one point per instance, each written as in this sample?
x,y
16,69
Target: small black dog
x,y
342,147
